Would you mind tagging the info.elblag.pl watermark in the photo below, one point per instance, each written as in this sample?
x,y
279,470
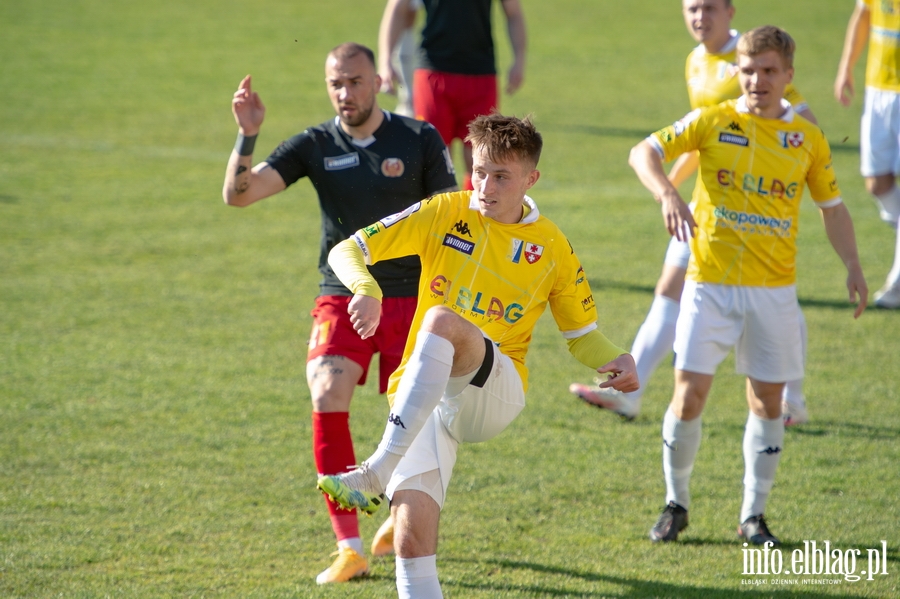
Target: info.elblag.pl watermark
x,y
812,563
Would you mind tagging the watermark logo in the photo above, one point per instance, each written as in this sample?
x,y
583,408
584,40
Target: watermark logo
x,y
814,563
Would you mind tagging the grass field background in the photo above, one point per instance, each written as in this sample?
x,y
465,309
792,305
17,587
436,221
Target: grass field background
x,y
154,416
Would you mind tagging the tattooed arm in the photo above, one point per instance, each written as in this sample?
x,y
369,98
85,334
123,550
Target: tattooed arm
x,y
243,184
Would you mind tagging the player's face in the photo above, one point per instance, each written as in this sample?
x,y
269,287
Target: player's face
x,y
708,22
352,85
500,187
763,79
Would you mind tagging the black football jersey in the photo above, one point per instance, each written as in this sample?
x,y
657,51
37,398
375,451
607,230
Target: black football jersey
x,y
360,182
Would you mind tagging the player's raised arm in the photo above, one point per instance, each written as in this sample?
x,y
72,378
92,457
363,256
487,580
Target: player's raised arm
x,y
243,184
839,227
647,164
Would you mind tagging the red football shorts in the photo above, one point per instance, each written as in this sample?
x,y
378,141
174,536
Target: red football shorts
x,y
333,335
449,101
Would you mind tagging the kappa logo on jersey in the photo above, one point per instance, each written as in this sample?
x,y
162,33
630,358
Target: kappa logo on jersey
x,y
738,140
393,219
458,244
339,163
790,139
462,228
392,167
735,126
476,302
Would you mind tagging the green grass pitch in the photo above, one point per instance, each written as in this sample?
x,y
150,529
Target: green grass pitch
x,y
154,416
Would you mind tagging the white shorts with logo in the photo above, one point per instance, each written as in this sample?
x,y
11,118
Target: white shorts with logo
x,y
762,324
466,414
879,135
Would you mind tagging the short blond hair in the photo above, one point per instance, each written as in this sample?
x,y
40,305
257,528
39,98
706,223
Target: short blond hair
x,y
506,138
766,38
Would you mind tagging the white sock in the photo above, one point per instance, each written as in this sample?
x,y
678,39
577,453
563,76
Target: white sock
x,y
681,440
763,440
889,203
354,543
793,390
420,391
654,339
417,578
893,277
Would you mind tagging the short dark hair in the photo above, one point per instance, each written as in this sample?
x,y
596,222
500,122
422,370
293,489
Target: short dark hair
x,y
765,38
351,49
506,137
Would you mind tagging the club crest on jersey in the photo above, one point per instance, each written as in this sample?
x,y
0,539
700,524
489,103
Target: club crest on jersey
x,y
531,251
392,167
790,139
339,163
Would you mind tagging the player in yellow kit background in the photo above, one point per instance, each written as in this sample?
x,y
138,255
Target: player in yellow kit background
x,y
711,77
756,156
879,140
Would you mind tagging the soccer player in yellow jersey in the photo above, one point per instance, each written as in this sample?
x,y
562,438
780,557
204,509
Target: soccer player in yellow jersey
x,y
491,263
711,77
879,139
756,156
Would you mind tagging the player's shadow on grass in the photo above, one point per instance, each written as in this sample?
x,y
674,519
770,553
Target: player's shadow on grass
x,y
633,587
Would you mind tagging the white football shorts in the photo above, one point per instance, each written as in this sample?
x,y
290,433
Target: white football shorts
x,y
879,133
466,414
762,324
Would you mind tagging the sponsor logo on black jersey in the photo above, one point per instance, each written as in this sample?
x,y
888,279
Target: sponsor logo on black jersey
x,y
460,245
738,140
339,163
392,167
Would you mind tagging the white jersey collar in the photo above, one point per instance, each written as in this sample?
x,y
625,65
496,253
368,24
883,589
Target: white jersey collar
x,y
533,212
787,117
360,143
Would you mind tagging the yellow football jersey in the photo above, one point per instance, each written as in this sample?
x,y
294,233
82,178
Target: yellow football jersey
x,y
747,200
883,63
498,276
713,78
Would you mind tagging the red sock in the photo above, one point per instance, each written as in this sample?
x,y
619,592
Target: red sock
x,y
333,451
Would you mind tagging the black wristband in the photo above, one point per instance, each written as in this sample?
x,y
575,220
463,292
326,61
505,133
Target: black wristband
x,y
244,144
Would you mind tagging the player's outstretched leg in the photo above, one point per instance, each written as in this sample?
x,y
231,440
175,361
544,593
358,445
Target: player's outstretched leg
x,y
359,489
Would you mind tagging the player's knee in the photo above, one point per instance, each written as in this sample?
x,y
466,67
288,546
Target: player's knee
x,y
880,185
441,321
